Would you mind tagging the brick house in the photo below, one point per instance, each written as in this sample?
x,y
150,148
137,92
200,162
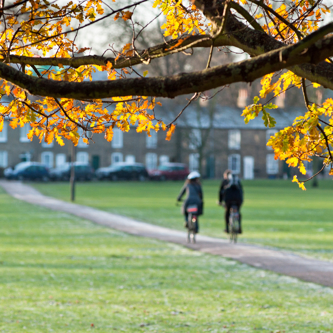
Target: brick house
x,y
210,144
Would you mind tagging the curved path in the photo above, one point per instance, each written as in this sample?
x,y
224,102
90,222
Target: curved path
x,y
282,262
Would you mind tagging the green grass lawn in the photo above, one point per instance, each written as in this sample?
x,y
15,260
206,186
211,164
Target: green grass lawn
x,y
63,274
275,212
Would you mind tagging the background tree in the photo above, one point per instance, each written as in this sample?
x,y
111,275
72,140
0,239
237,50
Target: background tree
x,y
62,97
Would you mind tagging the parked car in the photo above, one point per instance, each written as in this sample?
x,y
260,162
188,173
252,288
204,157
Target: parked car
x,y
133,171
83,171
28,171
173,171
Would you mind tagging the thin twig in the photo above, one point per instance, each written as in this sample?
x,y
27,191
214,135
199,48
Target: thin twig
x,y
83,26
66,114
306,180
180,113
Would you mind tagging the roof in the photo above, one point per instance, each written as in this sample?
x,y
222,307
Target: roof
x,y
225,117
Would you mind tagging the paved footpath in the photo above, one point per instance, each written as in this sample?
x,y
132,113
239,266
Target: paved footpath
x,y
282,262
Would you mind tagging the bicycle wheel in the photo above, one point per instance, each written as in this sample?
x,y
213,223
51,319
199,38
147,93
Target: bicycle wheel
x,y
231,234
194,229
233,237
189,227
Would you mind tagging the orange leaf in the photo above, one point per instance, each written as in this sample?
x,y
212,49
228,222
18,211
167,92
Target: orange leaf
x,y
83,49
48,138
170,131
127,15
177,44
109,134
127,47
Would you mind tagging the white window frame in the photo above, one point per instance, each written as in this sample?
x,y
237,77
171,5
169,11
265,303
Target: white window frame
x,y
116,158
60,160
151,161
234,139
3,158
280,100
193,161
151,141
50,156
234,158
242,97
269,133
82,157
24,132
3,134
163,159
272,165
195,139
130,159
117,140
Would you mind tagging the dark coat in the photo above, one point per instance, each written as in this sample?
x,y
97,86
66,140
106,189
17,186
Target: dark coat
x,y
194,196
229,194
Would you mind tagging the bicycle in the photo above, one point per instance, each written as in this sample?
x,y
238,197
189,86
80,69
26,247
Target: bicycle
x,y
192,222
234,224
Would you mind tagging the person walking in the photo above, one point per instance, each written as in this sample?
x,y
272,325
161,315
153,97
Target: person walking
x,y
230,193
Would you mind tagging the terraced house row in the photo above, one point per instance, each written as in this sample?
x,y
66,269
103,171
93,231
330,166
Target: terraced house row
x,y
209,144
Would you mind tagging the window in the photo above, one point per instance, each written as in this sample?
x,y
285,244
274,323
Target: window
x,y
116,158
3,159
242,98
194,162
25,157
272,165
117,141
47,159
3,134
60,160
82,156
279,100
195,139
269,133
234,163
234,139
164,159
130,159
151,141
151,161
81,144
319,95
24,132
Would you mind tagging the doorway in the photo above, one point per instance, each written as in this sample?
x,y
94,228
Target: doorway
x,y
248,167
95,162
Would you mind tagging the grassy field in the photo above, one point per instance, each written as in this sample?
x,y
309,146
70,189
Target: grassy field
x,y
63,274
275,213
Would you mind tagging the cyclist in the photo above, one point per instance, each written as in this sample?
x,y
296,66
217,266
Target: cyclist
x,y
231,192
194,196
